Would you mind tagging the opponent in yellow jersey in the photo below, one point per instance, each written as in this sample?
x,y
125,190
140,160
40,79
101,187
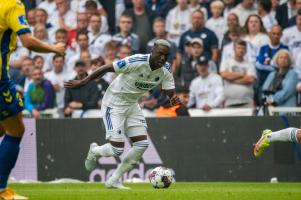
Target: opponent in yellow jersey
x,y
13,24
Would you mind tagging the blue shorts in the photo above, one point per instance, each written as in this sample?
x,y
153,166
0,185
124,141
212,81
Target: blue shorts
x,y
11,102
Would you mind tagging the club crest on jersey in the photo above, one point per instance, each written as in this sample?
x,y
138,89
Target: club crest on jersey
x,y
121,64
144,86
22,20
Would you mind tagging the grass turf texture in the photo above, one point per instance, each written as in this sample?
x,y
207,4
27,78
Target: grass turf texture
x,y
180,190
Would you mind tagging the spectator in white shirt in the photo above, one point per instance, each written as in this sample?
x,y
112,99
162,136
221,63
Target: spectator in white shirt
x,y
48,5
206,90
92,9
264,11
63,17
292,36
178,21
235,34
239,77
244,10
97,39
57,76
255,32
217,22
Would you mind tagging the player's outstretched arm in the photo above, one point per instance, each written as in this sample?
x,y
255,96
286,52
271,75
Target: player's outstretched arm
x,y
34,44
96,74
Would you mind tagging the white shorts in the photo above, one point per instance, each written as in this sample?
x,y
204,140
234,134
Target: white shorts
x,y
123,121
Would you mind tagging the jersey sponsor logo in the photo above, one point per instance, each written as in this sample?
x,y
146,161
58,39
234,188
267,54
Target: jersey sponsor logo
x,y
22,20
121,64
144,86
150,158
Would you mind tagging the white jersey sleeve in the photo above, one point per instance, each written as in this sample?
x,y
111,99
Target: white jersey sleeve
x,y
168,82
129,64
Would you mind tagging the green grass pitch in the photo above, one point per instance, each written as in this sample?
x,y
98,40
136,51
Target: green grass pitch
x,y
179,190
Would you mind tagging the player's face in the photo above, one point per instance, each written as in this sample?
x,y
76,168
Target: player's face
x,y
159,55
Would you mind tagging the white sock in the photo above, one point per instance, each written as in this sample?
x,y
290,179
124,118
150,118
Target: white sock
x,y
284,135
107,150
132,158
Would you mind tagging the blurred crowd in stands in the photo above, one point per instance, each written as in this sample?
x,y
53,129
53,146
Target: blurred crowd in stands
x,y
224,53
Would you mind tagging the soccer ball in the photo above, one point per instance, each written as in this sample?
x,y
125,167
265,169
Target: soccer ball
x,y
161,177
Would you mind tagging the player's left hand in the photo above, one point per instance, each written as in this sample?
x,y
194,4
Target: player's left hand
x,y
174,100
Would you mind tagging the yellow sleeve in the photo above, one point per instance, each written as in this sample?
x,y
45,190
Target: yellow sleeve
x,y
16,19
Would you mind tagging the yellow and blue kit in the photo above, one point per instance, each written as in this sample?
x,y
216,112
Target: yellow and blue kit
x,y
12,23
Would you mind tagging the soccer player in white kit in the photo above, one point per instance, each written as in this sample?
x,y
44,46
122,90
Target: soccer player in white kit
x,y
121,112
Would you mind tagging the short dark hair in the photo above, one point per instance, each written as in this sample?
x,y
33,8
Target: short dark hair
x,y
235,29
80,62
240,43
198,11
159,19
90,4
266,5
126,15
82,32
58,56
37,57
61,30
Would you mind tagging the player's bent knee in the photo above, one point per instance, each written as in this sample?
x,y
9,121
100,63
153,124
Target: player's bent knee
x,y
142,144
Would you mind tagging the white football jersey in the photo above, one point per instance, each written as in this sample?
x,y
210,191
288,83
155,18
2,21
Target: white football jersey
x,y
136,78
292,38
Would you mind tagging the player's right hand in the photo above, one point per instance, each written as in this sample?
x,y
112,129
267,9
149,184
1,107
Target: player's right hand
x,y
60,48
74,83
